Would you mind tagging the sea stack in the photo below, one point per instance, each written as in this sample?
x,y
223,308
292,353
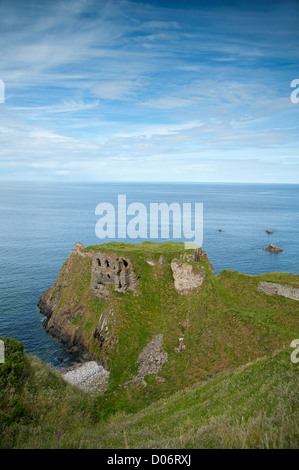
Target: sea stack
x,y
273,248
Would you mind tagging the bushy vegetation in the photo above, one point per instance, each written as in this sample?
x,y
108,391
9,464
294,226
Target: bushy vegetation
x,y
41,405
11,382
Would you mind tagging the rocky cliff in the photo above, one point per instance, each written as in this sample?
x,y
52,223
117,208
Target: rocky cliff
x,y
103,273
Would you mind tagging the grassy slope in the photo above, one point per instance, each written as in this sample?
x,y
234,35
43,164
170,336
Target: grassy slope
x,y
254,406
230,324
230,321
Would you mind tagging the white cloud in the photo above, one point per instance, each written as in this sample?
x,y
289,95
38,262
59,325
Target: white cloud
x,y
66,107
91,86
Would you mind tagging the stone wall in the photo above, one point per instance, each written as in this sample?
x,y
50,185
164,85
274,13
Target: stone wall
x,y
108,269
185,277
273,288
111,270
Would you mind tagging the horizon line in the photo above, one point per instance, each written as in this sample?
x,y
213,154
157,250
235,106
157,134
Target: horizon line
x,y
141,181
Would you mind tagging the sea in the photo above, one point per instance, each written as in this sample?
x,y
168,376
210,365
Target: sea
x,y
40,222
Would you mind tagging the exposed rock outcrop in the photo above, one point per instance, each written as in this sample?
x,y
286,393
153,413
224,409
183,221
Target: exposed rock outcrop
x,y
150,361
102,334
150,262
78,248
181,346
58,324
273,288
185,277
162,260
200,255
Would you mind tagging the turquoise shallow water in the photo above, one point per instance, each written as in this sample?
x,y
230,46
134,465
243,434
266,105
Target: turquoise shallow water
x,y
40,223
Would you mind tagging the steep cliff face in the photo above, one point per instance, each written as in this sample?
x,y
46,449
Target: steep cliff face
x,y
66,315
68,308
156,315
73,308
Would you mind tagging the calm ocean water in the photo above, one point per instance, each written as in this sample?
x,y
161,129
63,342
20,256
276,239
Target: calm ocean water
x,y
40,223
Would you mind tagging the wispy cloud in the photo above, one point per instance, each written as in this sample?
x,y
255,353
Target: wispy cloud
x,y
118,88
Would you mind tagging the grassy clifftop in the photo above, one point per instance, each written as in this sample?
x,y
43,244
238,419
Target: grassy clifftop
x,y
224,323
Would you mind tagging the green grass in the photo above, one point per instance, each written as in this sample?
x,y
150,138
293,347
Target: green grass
x,y
254,406
144,247
11,381
42,403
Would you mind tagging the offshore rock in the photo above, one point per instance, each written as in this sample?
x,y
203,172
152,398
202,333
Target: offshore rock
x,y
273,248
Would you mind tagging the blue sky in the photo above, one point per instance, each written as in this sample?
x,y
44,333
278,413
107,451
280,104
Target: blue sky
x,y
149,91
